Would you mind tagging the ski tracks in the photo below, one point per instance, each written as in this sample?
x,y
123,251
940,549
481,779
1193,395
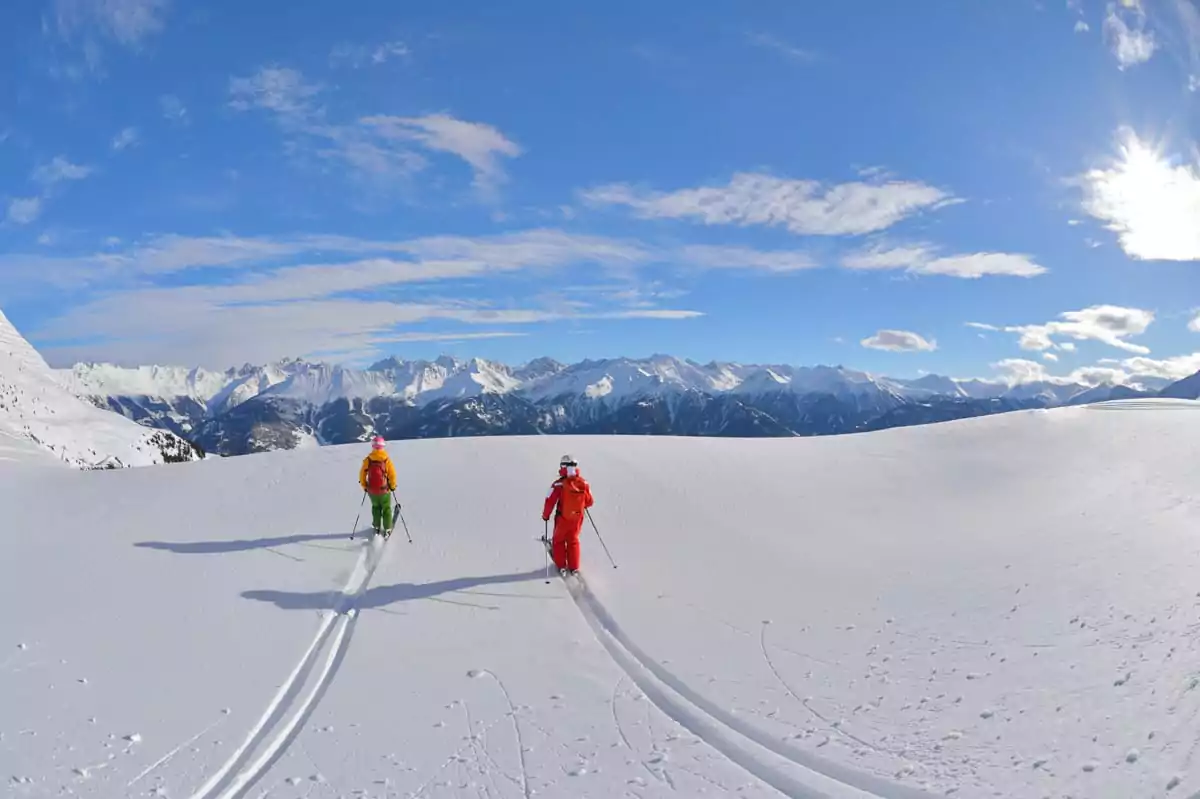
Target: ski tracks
x,y
789,769
280,722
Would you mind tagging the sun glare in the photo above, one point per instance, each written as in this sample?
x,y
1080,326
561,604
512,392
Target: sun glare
x,y
1151,203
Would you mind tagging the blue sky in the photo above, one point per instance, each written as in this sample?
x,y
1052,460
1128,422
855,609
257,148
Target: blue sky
x,y
975,189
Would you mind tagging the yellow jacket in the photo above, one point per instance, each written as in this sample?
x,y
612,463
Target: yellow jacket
x,y
389,469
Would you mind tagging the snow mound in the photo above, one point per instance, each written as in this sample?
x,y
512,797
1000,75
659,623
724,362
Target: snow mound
x,y
37,410
999,606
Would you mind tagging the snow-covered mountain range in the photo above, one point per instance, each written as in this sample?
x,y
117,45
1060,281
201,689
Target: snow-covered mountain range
x,y
40,418
293,403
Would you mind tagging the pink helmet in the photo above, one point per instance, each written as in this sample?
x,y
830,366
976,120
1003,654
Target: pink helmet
x,y
377,442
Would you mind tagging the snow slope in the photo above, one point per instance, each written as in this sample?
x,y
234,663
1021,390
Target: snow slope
x,y
1005,606
37,412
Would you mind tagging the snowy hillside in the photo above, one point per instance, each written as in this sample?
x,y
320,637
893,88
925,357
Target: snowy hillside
x,y
996,607
37,409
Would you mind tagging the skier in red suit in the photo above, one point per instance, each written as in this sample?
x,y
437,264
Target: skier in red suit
x,y
569,499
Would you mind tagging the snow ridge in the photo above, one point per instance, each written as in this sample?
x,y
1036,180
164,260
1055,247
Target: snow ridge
x,y
35,406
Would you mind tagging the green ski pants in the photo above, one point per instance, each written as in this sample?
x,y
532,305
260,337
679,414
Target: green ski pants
x,y
381,511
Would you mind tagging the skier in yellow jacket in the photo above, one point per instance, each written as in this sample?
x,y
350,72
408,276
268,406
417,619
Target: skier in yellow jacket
x,y
378,478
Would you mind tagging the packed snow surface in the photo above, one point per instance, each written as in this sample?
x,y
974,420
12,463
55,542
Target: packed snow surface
x,y
1005,606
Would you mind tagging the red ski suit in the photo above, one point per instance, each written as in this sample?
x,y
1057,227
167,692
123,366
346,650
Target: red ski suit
x,y
569,498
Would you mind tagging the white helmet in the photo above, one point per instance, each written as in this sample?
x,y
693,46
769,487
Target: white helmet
x,y
567,460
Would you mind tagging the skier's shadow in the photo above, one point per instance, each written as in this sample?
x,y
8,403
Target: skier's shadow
x,y
384,595
222,547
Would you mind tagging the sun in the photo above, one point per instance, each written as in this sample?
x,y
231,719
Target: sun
x,y
1153,204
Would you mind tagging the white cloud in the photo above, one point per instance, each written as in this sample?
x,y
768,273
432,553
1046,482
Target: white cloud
x,y
899,341
1176,368
922,259
382,149
908,257
1018,371
1131,45
804,207
358,55
769,42
1108,324
126,21
173,109
1050,356
1081,26
125,139
477,143
24,210
1151,204
298,295
715,257
199,325
1067,346
57,171
280,90
1194,325
976,265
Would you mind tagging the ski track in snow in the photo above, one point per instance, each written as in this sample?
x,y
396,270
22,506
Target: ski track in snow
x,y
734,738
337,624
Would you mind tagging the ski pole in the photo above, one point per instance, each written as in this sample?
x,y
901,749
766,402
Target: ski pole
x,y
400,513
597,529
546,549
354,530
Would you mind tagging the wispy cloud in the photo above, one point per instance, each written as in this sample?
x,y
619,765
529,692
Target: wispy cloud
x,y
768,42
899,341
126,21
1194,325
24,210
1175,368
1151,203
57,171
359,55
173,109
804,207
922,259
379,148
1107,324
1019,371
47,176
280,90
479,144
125,139
1081,26
1125,30
717,257
303,294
